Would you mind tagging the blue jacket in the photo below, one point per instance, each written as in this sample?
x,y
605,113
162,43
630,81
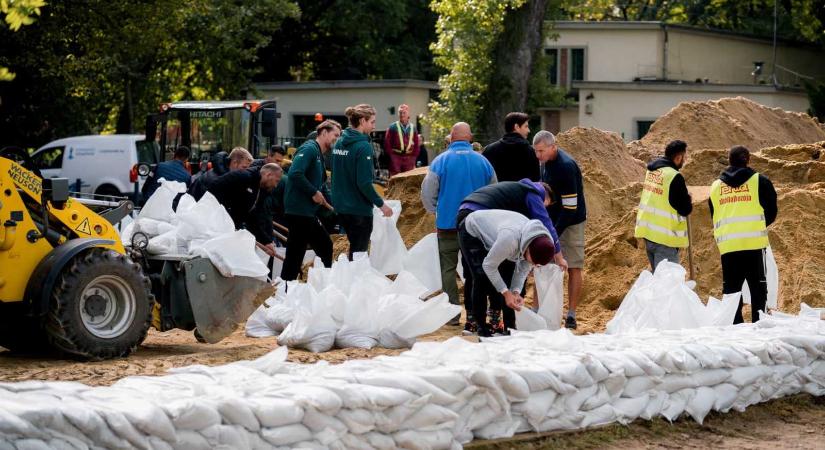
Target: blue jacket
x,y
172,170
453,175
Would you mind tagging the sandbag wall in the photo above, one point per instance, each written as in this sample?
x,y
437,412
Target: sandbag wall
x,y
437,395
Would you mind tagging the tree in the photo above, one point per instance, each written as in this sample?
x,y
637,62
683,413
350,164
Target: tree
x,y
489,50
514,56
346,40
101,65
18,13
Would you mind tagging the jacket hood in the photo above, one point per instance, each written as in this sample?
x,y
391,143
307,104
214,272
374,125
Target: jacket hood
x,y
534,186
658,163
736,176
514,138
531,230
350,136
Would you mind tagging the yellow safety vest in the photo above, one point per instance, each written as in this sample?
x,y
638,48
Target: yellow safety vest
x,y
656,220
738,218
404,148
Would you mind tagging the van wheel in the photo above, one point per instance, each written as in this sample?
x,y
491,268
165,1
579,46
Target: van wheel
x,y
108,192
101,306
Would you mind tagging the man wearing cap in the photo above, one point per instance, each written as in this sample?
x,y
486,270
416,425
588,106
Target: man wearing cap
x,y
487,239
401,142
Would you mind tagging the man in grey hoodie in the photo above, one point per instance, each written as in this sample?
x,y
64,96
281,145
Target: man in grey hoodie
x,y
488,238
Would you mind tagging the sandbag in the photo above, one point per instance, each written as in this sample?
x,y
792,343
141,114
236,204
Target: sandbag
x,y
387,249
234,255
159,205
527,320
423,262
550,288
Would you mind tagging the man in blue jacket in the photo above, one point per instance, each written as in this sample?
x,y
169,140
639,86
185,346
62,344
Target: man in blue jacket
x,y
172,170
453,175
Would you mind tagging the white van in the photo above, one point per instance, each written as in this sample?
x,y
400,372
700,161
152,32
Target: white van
x,y
104,164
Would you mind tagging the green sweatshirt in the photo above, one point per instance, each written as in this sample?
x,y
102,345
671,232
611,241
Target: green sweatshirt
x,y
306,177
352,175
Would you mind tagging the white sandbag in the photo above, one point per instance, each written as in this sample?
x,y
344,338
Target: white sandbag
x,y
312,328
422,317
387,249
164,244
234,255
550,289
389,339
159,205
527,320
205,220
423,262
256,324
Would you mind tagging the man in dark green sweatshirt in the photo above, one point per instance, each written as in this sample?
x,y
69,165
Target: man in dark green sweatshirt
x,y
303,196
353,194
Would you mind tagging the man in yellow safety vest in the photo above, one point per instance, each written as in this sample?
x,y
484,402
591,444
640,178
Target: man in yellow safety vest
x,y
742,205
663,207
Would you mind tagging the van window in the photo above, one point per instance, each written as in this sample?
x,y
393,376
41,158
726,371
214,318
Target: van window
x,y
49,158
147,152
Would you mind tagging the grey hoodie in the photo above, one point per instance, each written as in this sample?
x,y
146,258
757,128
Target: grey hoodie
x,y
506,235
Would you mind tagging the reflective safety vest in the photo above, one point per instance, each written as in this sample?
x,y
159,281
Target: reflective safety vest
x,y
410,136
656,220
738,218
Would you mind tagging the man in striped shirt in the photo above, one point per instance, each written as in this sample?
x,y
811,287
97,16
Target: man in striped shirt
x,y
567,210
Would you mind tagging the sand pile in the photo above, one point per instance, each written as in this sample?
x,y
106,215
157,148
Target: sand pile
x,y
415,222
723,123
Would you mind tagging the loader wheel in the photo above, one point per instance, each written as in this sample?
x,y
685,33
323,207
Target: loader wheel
x,y
101,307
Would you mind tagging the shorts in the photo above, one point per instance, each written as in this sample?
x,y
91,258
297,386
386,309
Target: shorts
x,y
572,245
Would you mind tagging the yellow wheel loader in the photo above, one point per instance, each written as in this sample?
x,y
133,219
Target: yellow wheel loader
x,y
68,283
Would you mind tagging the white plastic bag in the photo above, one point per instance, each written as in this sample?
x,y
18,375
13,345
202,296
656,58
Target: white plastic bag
x,y
387,249
527,320
204,220
159,205
234,255
312,328
423,262
550,289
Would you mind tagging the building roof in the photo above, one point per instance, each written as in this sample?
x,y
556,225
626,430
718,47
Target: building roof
x,y
351,84
680,86
654,25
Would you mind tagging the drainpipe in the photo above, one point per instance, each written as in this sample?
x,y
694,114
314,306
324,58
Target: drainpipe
x,y
664,52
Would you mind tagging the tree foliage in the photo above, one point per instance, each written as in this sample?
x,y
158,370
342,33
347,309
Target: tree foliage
x,y
347,40
467,33
102,65
16,14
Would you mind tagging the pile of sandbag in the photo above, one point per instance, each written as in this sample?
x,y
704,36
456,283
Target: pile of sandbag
x,y
195,228
439,395
665,301
348,305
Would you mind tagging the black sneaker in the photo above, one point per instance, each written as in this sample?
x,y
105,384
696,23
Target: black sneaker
x,y
470,328
570,322
485,331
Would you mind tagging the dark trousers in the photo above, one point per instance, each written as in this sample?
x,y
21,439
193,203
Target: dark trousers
x,y
473,252
746,265
305,231
358,230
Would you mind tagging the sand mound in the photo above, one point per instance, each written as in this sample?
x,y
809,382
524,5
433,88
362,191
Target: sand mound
x,y
727,122
792,164
414,222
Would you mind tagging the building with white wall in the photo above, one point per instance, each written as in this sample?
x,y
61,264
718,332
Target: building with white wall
x,y
624,75
299,102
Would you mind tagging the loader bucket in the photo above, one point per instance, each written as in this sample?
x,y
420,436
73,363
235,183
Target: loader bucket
x,y
219,303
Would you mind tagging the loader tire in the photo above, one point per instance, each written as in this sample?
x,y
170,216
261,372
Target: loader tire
x,y
101,306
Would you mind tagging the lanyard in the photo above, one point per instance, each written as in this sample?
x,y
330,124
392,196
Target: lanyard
x,y
404,149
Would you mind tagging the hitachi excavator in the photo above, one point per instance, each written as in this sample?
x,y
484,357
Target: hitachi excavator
x,y
68,283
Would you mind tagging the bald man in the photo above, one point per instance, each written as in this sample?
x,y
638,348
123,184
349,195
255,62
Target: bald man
x,y
453,175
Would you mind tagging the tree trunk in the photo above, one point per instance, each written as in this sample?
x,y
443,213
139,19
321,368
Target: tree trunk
x,y
126,115
513,58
